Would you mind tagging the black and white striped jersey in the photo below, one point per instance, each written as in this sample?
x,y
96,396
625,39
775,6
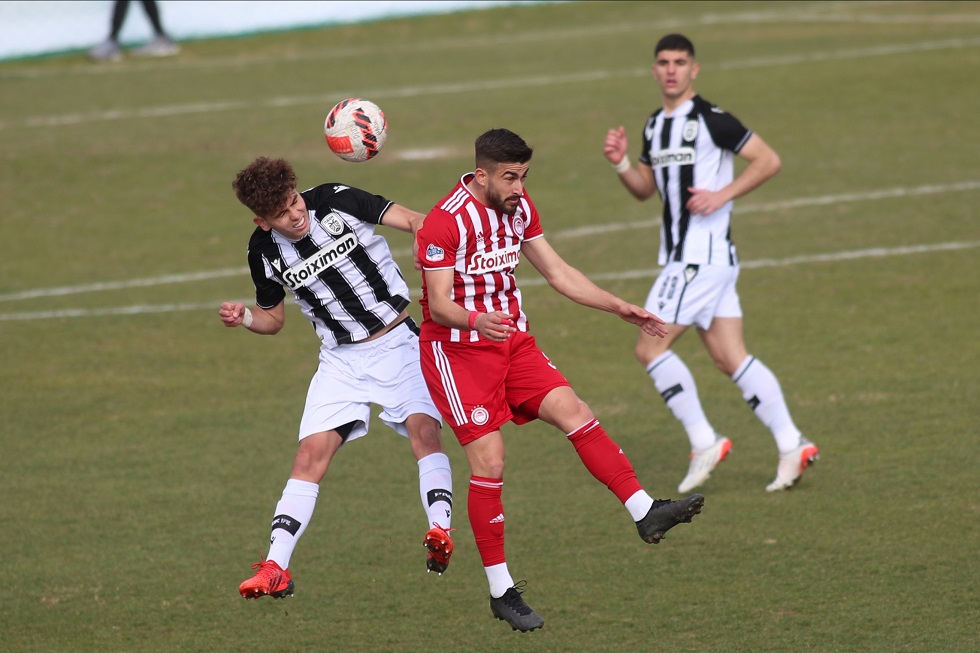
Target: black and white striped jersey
x,y
341,274
693,147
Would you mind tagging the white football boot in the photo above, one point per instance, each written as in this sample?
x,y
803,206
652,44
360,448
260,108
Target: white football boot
x,y
793,464
703,462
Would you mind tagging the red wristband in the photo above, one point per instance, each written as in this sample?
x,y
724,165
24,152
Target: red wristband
x,y
471,321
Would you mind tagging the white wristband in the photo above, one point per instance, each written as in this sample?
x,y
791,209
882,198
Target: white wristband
x,y
623,165
247,318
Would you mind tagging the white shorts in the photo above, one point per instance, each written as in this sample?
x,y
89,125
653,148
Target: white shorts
x,y
350,378
687,294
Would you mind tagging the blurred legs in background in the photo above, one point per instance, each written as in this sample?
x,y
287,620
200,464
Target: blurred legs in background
x,y
161,45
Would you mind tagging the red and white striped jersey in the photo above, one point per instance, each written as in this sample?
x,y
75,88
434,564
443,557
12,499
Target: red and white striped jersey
x,y
483,248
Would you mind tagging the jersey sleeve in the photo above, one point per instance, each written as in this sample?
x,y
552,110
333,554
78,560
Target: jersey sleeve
x,y
647,136
438,240
725,129
533,228
353,201
268,292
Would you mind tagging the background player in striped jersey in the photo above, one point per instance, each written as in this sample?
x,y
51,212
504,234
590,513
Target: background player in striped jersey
x,y
484,369
321,245
688,158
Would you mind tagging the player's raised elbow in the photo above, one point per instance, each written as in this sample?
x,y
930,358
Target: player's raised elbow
x,y
269,328
641,194
272,319
775,164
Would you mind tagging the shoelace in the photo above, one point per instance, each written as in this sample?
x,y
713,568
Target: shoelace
x,y
267,570
447,531
514,601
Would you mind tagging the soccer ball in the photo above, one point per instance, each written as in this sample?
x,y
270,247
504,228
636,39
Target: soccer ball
x,y
355,129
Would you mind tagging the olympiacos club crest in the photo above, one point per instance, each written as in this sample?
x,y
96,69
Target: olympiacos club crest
x,y
479,415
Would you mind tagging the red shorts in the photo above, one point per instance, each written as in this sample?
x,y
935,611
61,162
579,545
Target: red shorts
x,y
480,386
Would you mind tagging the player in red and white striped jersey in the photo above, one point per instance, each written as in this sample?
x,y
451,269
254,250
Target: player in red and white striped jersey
x,y
484,369
486,250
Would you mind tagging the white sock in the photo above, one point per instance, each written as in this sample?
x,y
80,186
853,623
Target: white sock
x,y
499,579
436,489
639,505
676,385
761,390
293,513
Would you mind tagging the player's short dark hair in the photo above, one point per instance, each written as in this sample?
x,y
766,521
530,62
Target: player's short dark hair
x,y
676,42
500,146
265,185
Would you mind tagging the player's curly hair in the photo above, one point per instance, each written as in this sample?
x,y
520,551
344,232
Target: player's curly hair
x,y
265,185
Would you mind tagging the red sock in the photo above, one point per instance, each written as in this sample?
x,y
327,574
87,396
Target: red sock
x,y
605,460
486,512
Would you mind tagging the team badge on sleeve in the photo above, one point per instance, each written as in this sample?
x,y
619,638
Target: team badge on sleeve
x,y
434,254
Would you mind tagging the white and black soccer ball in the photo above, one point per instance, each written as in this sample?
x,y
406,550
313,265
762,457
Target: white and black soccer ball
x,y
355,129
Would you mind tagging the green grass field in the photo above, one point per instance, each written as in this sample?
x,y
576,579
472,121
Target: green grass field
x,y
144,445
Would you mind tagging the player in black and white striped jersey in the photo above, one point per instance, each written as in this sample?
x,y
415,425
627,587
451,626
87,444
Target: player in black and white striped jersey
x,y
321,246
689,147
341,272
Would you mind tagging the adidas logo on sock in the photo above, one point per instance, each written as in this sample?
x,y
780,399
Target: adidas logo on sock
x,y
499,519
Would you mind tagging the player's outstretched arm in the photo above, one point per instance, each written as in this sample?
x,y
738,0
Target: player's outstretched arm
x,y
403,219
255,319
651,324
569,281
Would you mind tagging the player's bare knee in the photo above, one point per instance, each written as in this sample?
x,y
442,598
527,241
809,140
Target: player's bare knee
x,y
486,464
494,468
314,454
727,364
581,412
648,350
310,464
641,355
565,410
425,431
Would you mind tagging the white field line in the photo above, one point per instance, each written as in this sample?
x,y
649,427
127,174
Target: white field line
x,y
128,283
121,310
536,81
649,273
576,232
928,189
322,99
856,53
829,257
819,12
